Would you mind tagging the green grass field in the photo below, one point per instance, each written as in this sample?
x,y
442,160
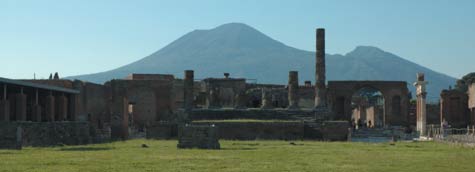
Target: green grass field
x,y
243,156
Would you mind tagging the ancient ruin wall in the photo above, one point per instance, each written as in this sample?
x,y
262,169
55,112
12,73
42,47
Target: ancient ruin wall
x,y
330,130
46,133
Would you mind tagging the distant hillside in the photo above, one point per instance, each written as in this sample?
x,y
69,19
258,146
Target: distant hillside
x,y
245,52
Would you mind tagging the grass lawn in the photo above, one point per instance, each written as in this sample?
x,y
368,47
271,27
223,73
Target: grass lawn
x,y
243,156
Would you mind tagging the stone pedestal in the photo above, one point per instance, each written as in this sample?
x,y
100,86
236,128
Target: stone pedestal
x,y
36,113
188,90
293,90
20,107
198,136
50,108
62,108
4,110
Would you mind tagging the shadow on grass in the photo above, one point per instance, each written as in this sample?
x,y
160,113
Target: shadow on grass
x,y
85,149
247,144
238,148
7,153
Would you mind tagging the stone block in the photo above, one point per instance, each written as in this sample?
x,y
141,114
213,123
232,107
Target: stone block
x,y
198,136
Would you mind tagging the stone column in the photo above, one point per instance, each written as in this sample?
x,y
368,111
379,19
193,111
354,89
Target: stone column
x,y
293,90
421,94
266,99
188,90
50,107
320,87
73,107
36,111
4,106
62,108
76,104
20,106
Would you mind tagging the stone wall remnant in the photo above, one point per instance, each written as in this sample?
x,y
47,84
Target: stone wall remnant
x,y
198,136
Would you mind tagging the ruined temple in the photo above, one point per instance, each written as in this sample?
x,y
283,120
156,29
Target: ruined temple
x,y
160,103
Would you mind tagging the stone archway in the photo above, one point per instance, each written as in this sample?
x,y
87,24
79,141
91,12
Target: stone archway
x,y
367,104
395,94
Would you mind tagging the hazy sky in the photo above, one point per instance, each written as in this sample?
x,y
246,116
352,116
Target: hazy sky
x,y
88,36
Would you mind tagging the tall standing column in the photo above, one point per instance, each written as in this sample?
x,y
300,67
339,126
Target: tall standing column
x,y
4,106
62,108
76,105
293,90
73,107
36,111
50,107
20,106
421,94
320,87
188,90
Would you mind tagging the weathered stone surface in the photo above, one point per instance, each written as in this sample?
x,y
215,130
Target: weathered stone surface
x,y
293,90
421,107
188,90
221,92
320,88
395,94
20,107
266,99
453,108
120,118
61,108
263,114
36,113
471,96
162,130
198,136
44,133
327,130
259,130
50,108
4,110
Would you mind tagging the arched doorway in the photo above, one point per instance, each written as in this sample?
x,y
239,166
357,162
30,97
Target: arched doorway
x,y
367,107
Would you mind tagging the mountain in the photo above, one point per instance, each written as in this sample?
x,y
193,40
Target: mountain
x,y
245,52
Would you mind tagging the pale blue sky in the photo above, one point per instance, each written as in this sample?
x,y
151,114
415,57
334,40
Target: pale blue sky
x,y
88,36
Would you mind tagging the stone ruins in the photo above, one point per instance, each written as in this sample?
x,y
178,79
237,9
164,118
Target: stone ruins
x,y
158,105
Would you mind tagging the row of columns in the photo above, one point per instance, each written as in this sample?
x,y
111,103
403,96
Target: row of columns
x,y
56,108
293,91
293,98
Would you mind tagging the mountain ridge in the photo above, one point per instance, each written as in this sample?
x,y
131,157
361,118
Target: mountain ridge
x,y
245,52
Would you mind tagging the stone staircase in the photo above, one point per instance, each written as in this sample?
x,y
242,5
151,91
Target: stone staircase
x,y
377,135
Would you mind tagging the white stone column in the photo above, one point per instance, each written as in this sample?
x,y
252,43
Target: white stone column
x,y
421,94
